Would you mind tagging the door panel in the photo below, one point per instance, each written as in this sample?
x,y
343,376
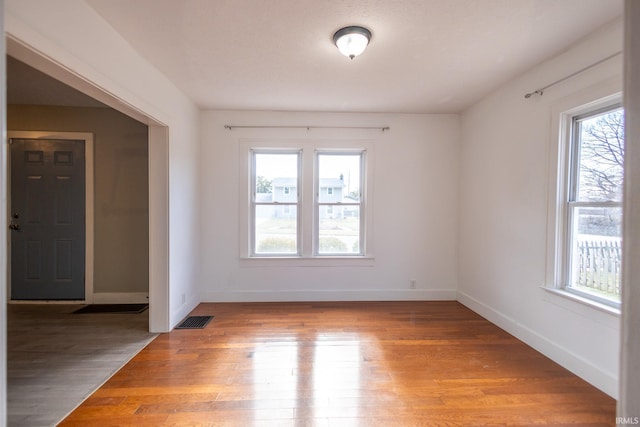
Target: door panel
x,y
48,219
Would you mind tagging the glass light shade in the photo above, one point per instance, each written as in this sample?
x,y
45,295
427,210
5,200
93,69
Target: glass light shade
x,y
352,41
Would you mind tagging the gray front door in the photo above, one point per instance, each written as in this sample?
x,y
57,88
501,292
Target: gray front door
x,y
47,219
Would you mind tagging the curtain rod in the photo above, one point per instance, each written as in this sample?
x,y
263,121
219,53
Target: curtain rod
x,y
382,128
542,89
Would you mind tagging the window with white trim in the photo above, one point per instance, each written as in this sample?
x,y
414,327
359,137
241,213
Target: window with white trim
x,y
591,210
306,203
275,226
338,209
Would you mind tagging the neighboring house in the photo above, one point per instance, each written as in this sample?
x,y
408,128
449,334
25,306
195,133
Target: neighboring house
x,y
285,190
331,190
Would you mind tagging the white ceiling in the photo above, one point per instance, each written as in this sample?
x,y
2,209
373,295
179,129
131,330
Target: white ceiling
x,y
432,56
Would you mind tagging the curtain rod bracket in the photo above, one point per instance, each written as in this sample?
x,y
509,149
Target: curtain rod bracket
x,y
535,92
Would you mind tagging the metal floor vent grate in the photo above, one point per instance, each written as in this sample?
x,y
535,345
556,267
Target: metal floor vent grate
x,y
194,322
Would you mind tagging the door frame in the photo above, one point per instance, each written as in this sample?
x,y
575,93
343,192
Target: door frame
x,y
159,224
87,139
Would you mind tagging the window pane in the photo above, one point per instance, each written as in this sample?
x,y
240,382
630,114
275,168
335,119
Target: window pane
x,y
339,230
596,251
276,228
276,177
601,154
339,177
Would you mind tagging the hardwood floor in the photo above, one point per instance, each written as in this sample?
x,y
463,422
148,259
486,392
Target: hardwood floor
x,y
56,359
343,364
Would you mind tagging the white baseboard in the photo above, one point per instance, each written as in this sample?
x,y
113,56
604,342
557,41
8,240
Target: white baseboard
x,y
346,295
183,310
556,352
120,298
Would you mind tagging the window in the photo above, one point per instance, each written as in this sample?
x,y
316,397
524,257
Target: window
x,y
274,206
592,207
305,203
339,223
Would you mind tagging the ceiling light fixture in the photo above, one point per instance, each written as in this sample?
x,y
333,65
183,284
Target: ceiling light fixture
x,y
352,41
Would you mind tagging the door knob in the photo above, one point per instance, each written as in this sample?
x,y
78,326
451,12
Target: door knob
x,y
13,226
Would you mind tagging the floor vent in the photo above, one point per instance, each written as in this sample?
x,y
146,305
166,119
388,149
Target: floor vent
x,y
194,322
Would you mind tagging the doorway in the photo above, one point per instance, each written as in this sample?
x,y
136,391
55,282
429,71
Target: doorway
x,y
158,176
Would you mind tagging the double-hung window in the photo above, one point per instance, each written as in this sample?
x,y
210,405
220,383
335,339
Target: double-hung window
x,y
339,225
593,204
306,202
275,201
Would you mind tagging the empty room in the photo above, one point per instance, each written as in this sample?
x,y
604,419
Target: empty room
x,y
393,213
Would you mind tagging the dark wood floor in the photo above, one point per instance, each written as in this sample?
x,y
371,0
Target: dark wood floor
x,y
343,364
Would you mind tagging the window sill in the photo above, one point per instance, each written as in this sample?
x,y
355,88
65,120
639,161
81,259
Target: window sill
x,y
294,261
583,300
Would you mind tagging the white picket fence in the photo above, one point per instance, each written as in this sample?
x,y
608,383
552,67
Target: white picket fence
x,y
599,265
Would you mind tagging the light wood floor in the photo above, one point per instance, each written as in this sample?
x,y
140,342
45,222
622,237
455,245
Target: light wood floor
x,y
56,359
343,364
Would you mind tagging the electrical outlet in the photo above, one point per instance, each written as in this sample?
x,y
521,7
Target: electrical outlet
x,y
412,283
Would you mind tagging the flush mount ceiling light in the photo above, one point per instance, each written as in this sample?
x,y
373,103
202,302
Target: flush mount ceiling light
x,y
352,41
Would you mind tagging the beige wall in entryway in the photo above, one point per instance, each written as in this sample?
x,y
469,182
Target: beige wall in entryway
x,y
121,264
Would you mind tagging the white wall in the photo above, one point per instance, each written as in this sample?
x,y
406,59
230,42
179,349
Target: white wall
x,y
415,171
629,403
507,143
70,41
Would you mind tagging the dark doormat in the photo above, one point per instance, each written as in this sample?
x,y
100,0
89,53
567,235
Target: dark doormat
x,y
194,322
112,308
